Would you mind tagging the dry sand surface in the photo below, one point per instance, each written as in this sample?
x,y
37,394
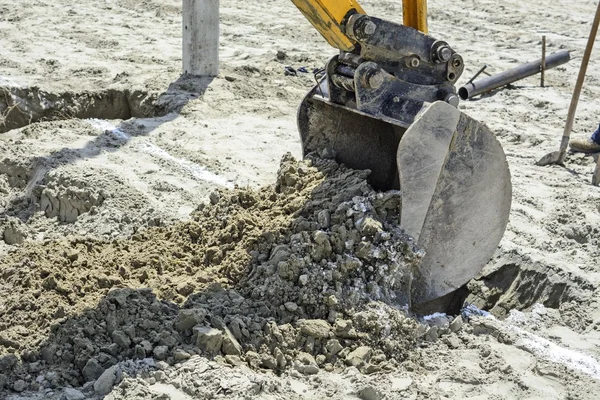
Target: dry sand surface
x,y
154,244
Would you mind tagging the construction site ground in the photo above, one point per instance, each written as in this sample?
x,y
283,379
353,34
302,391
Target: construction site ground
x,y
153,226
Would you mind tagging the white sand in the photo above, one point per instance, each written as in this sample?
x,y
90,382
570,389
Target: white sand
x,y
235,132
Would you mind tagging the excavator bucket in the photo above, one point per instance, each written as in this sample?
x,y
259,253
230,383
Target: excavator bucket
x,y
456,196
451,170
387,103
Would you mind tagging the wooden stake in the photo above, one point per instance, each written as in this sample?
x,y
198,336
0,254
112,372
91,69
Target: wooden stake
x,y
596,177
201,37
543,60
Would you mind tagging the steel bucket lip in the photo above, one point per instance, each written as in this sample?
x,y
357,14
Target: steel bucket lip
x,y
362,113
457,197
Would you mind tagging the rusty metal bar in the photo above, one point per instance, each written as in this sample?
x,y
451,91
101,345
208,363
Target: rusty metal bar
x,y
512,75
481,70
543,61
596,177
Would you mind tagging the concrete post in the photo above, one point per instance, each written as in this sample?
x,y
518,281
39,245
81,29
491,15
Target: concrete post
x,y
201,37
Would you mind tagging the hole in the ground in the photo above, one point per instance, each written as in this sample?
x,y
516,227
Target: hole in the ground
x,y
22,176
450,304
515,284
498,282
21,106
519,284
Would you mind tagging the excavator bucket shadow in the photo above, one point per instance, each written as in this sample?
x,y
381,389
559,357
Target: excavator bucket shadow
x,y
450,168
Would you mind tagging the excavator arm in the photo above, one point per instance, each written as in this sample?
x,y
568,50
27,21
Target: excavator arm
x,y
388,103
330,16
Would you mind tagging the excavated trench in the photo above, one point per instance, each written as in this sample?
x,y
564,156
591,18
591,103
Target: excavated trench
x,y
21,106
31,183
516,283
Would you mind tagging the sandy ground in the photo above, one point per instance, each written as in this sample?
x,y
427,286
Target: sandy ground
x,y
109,172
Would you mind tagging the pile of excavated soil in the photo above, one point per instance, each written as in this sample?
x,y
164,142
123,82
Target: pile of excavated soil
x,y
310,273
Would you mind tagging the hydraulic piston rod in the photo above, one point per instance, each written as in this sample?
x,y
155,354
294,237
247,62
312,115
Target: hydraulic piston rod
x,y
512,75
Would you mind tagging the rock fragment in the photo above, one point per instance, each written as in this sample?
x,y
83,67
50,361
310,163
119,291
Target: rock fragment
x,y
253,359
14,231
181,355
279,254
268,361
359,357
121,339
333,347
369,393
324,219
303,280
432,334
161,352
456,324
73,394
106,381
306,364
19,385
92,370
234,360
187,319
208,339
344,329
369,226
230,345
316,328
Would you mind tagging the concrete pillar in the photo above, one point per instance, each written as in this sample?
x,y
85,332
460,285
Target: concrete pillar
x,y
201,37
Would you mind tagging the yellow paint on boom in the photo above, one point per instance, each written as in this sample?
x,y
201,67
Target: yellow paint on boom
x,y
327,16
415,14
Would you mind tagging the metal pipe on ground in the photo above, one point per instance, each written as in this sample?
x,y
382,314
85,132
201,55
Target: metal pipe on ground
x,y
512,75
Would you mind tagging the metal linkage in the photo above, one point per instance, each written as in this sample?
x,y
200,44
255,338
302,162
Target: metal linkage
x,y
405,52
393,71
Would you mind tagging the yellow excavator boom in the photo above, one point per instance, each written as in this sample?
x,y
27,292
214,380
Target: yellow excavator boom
x,y
328,16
